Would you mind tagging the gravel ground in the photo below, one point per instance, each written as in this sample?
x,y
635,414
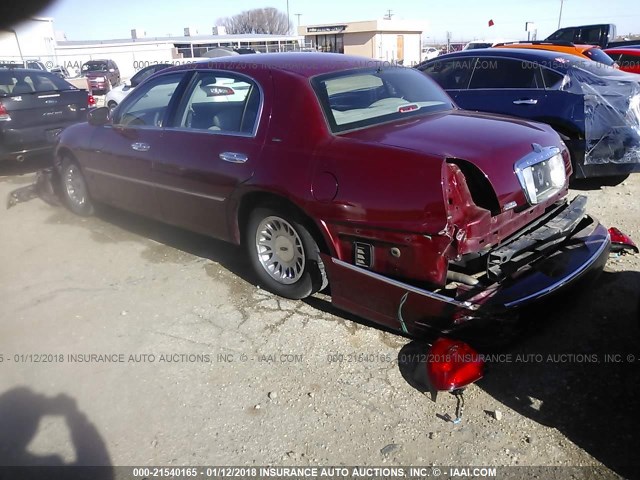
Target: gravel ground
x,y
215,371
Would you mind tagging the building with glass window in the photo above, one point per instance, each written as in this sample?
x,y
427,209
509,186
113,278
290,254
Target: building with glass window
x,y
388,40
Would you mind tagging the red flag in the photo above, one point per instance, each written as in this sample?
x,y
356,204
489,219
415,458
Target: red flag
x,y
491,24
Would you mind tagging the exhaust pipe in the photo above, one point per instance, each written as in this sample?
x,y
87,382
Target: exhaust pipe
x,y
20,158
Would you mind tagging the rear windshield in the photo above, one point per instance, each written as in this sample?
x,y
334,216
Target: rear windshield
x,y
366,97
94,67
598,55
16,82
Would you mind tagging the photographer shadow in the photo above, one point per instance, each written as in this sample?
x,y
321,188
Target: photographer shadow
x,y
21,411
576,369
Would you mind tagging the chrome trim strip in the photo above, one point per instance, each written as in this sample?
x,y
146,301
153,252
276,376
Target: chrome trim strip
x,y
410,288
155,184
551,288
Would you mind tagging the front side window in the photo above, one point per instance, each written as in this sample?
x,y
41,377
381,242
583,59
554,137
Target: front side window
x,y
220,102
452,74
495,73
366,97
147,107
145,73
563,35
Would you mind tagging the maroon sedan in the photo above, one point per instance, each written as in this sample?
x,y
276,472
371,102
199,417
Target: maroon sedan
x,y
341,170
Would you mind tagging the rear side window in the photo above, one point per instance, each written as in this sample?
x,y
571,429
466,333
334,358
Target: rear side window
x,y
494,73
563,35
590,35
552,80
451,74
221,102
598,55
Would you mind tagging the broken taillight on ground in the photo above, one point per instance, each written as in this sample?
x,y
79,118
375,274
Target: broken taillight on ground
x,y
453,365
621,242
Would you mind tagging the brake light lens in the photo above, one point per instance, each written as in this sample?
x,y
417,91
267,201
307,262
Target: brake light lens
x,y
4,114
91,102
453,364
621,241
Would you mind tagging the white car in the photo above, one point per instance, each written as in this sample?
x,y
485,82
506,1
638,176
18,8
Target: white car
x,y
429,52
117,94
485,43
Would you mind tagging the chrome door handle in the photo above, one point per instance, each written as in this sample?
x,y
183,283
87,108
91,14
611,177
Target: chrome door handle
x,y
140,147
233,157
526,101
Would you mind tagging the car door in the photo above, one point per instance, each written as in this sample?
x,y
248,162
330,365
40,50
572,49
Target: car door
x,y
120,165
212,146
506,86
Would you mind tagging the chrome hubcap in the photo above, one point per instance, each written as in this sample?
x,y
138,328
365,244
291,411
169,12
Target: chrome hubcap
x,y
75,186
280,250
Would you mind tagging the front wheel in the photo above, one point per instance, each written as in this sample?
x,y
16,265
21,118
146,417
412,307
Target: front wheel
x,y
283,254
74,188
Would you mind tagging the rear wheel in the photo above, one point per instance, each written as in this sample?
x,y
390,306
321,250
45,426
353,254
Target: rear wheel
x,y
74,188
283,254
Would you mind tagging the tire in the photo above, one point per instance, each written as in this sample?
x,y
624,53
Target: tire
x,y
283,254
74,189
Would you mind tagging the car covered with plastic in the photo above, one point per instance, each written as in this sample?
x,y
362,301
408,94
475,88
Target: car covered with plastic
x,y
345,172
595,108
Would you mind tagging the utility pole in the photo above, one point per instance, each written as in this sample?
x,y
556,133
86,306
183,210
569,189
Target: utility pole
x,y
288,19
388,15
298,15
560,16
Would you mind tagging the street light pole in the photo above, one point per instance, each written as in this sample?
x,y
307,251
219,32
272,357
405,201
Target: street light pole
x,y
560,16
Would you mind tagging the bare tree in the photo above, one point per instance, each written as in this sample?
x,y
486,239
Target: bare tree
x,y
259,20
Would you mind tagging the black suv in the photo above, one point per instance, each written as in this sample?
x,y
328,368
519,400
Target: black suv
x,y
595,108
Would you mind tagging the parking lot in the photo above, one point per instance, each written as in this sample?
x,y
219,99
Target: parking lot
x,y
128,342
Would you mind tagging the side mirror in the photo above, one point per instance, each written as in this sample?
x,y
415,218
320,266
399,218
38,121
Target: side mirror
x,y
99,116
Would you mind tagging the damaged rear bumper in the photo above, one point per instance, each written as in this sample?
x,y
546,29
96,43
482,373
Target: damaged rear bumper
x,y
543,259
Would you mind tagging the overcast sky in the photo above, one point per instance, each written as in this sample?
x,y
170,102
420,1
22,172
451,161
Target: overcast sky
x,y
465,19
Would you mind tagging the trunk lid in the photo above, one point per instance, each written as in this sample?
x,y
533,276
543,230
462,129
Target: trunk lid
x,y
45,108
491,142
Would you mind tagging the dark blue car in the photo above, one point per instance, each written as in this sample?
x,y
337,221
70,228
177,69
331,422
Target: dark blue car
x,y
594,108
